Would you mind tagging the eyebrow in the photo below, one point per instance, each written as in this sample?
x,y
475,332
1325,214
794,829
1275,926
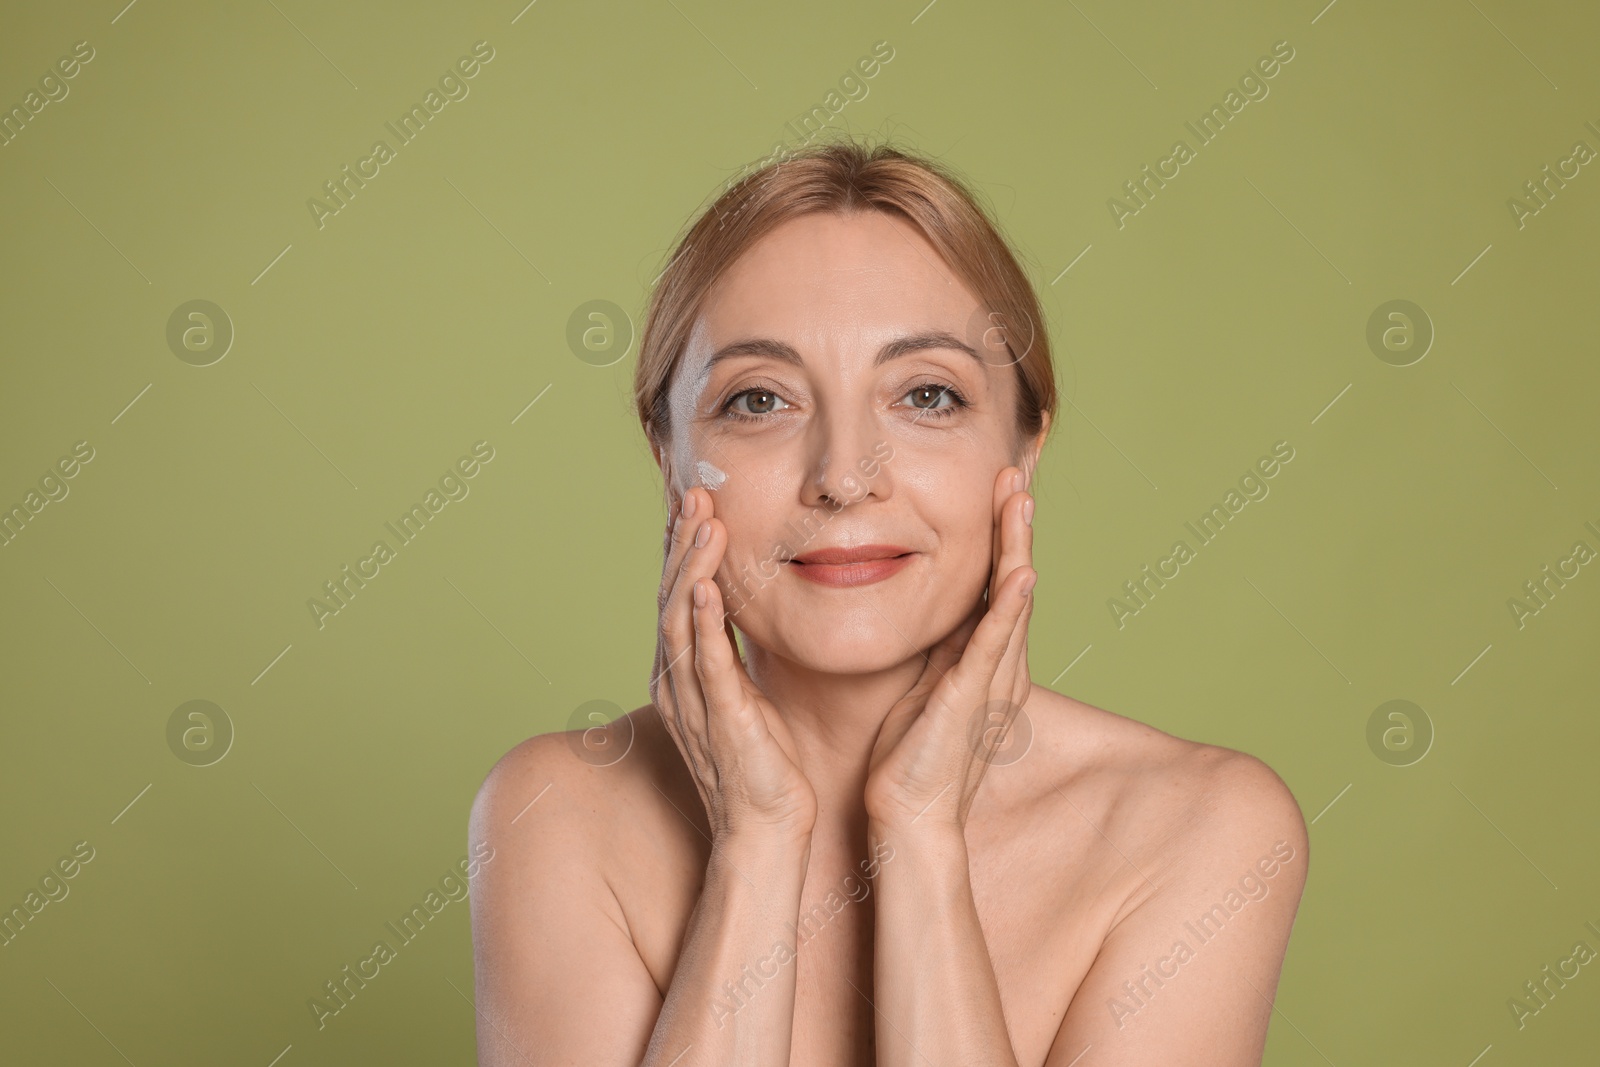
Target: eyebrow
x,y
900,346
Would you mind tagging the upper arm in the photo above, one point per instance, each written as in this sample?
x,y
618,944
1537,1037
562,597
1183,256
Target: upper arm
x,y
1189,975
558,978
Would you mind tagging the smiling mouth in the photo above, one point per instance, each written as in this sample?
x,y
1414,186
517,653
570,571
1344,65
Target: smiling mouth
x,y
867,568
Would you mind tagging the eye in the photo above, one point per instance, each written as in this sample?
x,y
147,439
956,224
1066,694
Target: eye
x,y
762,402
928,399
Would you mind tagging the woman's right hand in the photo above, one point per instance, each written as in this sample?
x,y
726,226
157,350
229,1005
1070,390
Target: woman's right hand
x,y
737,746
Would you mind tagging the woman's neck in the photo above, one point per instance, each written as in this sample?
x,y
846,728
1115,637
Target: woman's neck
x,y
834,720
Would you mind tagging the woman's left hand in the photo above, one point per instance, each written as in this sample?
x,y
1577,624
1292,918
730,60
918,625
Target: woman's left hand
x,y
938,740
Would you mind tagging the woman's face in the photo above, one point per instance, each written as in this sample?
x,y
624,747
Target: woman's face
x,y
818,436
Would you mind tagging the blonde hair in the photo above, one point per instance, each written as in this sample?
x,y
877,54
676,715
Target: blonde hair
x,y
845,177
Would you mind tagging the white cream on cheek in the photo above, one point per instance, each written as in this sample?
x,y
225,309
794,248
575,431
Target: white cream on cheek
x,y
710,475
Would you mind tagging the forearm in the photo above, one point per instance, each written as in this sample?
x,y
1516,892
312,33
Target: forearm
x,y
732,994
934,985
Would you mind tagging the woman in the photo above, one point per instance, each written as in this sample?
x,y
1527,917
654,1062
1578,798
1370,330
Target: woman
x,y
870,838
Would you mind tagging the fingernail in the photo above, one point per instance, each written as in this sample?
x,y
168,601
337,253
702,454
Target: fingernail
x,y
1028,583
703,535
1027,511
689,502
699,594
1017,482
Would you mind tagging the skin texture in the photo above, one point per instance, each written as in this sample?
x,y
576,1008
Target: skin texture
x,y
806,855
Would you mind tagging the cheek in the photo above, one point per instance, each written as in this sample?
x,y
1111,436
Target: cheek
x,y
747,519
955,500
964,527
969,545
752,560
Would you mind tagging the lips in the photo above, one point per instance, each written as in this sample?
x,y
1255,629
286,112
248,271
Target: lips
x,y
857,554
858,565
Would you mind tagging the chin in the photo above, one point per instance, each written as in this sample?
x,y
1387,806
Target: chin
x,y
830,655
853,638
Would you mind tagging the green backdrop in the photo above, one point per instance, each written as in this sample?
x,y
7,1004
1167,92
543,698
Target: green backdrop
x,y
234,456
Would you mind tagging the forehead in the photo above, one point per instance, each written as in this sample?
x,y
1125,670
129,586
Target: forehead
x,y
822,278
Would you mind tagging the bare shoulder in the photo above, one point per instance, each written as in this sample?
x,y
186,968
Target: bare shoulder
x,y
591,793
1175,801
549,922
538,799
1193,840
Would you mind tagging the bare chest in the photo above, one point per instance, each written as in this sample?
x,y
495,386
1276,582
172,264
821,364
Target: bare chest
x,y
1044,910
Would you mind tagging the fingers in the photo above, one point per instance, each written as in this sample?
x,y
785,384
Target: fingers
x,y
993,637
944,655
684,705
695,550
714,658
1012,677
980,662
666,533
681,529
672,598
1013,533
699,542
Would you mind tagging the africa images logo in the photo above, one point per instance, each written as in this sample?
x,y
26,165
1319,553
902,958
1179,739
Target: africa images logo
x,y
454,885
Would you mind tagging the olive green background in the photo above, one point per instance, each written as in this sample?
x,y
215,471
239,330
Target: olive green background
x,y
371,353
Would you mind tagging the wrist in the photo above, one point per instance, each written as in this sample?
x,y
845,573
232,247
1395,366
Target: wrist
x,y
927,837
764,843
929,872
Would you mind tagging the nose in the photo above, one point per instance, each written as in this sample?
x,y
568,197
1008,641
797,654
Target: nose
x,y
844,449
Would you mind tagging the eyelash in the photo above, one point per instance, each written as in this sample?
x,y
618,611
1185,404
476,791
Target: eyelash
x,y
957,402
